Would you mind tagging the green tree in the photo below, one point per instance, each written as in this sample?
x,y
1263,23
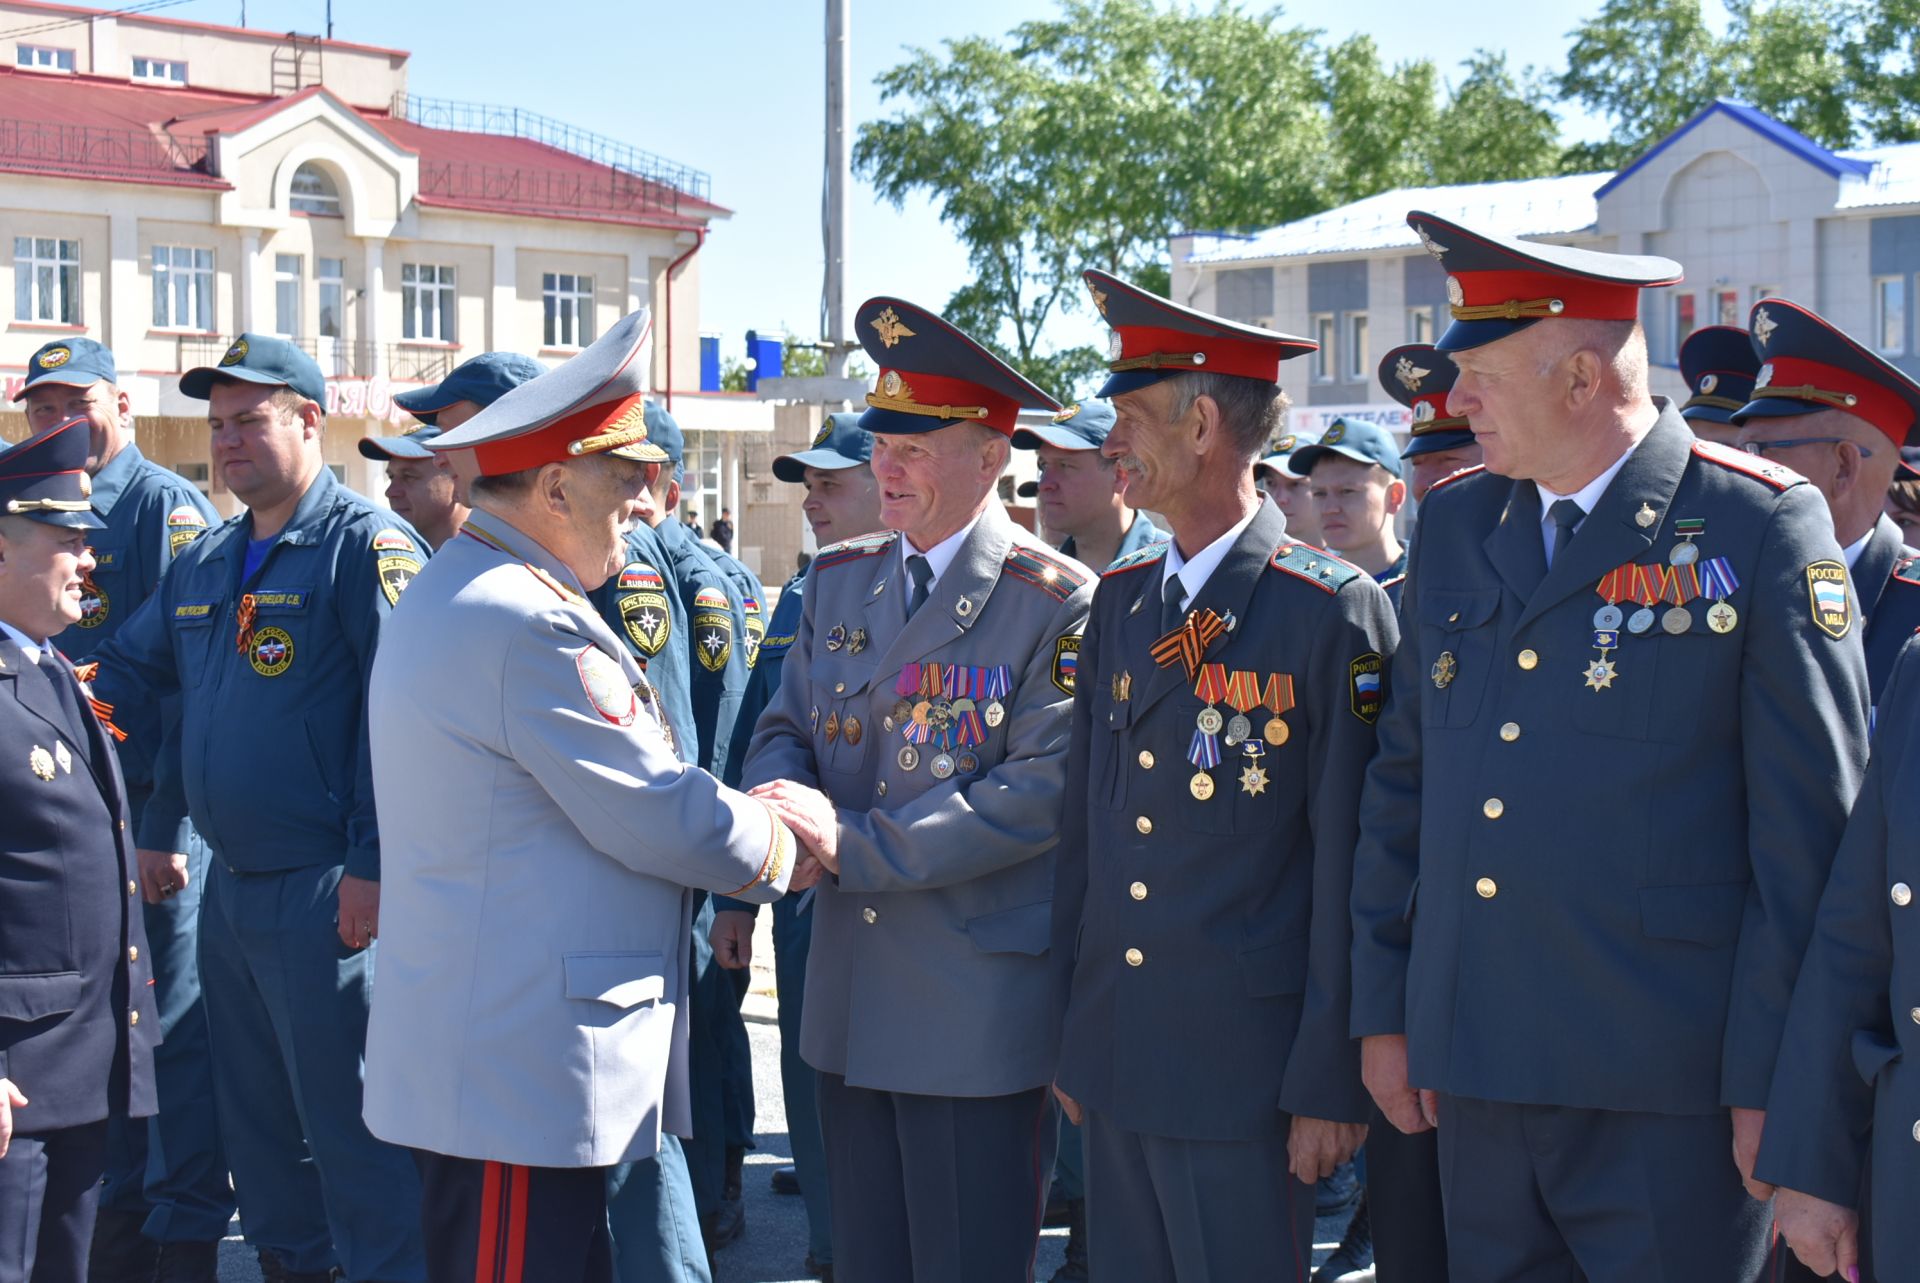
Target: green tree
x,y
1647,65
1495,125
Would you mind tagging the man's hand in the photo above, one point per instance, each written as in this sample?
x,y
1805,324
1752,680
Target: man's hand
x,y
1825,1236
10,1100
806,874
732,939
1747,1126
359,920
1070,1105
163,874
1383,1068
1316,1146
813,819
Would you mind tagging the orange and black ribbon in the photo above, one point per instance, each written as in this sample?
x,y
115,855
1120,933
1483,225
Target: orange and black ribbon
x,y
1188,643
84,674
244,639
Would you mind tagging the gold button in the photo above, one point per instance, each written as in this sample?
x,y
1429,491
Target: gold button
x,y
1493,808
1454,618
881,788
869,915
1510,732
1487,888
1902,894
839,688
133,1017
1143,824
1135,957
1529,660
1146,758
133,953
133,888
1138,890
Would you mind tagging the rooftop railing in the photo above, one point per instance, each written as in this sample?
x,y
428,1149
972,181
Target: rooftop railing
x,y
94,150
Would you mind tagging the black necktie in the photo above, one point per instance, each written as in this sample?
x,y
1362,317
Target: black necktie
x,y
1170,613
921,573
1566,515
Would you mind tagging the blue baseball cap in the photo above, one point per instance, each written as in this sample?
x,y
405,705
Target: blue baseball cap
x,y
74,363
663,430
1078,427
44,478
411,444
1281,458
482,380
1357,439
841,443
259,358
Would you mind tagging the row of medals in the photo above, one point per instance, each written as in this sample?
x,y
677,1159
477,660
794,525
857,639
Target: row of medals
x,y
939,714
1721,616
1239,729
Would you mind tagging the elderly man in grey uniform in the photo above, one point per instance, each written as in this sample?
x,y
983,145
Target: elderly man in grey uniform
x,y
1626,719
926,696
529,1028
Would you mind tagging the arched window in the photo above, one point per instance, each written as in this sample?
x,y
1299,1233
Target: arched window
x,y
313,192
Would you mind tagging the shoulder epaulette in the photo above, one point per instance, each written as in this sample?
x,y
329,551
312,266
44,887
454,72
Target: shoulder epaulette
x,y
1394,582
560,590
1053,575
1903,569
1475,470
854,549
1752,465
1137,558
1322,569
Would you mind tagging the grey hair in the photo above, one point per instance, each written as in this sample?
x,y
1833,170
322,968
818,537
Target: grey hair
x,y
1252,410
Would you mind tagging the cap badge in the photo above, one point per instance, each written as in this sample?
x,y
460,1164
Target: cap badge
x,y
1763,380
890,383
235,354
891,328
1456,295
1764,326
1423,412
1409,374
1115,345
1335,435
1434,247
55,357
1099,297
1067,413
1285,445
820,437
1708,383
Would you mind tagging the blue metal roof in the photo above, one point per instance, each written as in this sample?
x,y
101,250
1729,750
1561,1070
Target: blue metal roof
x,y
1781,135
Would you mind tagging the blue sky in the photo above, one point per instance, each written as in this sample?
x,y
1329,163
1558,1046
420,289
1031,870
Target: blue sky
x,y
735,89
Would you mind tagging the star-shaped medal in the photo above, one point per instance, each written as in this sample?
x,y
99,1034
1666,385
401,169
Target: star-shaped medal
x,y
1253,779
1600,674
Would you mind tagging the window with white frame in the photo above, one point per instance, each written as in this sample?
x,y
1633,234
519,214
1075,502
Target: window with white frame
x,y
43,58
288,271
313,192
569,305
1419,325
330,275
1726,308
160,71
1359,353
46,280
182,288
426,302
1890,314
1323,362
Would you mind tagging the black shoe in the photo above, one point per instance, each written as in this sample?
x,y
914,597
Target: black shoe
x,y
1060,1208
1352,1261
785,1179
272,1271
725,1225
820,1270
188,1263
1336,1193
1074,1268
120,1252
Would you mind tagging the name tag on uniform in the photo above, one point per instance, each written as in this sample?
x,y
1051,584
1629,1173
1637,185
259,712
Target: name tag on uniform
x,y
192,611
280,599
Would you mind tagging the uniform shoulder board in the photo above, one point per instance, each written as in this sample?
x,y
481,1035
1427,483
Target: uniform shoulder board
x,y
1322,569
1394,582
854,549
560,590
1751,464
1139,557
1904,569
1055,576
1474,471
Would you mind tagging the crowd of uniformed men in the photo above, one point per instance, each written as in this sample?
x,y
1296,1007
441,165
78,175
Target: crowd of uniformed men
x,y
1543,854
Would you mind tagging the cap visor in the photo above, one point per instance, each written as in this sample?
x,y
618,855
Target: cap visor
x,y
70,520
1464,336
57,381
1774,407
898,423
1053,435
198,383
1707,414
423,401
1132,381
1435,442
793,467
383,448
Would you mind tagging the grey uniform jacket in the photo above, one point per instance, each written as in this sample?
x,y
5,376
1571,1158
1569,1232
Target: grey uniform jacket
x,y
928,971
539,836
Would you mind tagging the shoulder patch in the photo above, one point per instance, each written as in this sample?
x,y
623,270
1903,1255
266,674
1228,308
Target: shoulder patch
x,y
1137,558
560,590
1363,686
1830,599
1321,569
607,687
711,599
184,525
1066,662
1055,576
391,540
641,596
1752,465
854,549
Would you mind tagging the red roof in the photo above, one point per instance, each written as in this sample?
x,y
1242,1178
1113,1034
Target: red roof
x,y
256,33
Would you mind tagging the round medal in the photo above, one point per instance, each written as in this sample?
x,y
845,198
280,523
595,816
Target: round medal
x,y
1684,553
1238,728
942,766
1722,618
1641,620
1201,786
1677,621
996,713
902,710
909,757
1276,732
1210,720
1607,618
967,763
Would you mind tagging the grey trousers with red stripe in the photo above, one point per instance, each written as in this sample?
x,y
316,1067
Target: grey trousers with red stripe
x,y
497,1223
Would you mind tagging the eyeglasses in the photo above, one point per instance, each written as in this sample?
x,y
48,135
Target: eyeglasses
x,y
1761,447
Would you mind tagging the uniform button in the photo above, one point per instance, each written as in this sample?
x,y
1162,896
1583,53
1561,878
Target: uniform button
x,y
1915,1013
1135,958
1529,660
1902,894
1916,1131
869,915
133,888
1510,732
886,723
133,1017
133,953
123,826
1493,808
1146,759
1138,890
881,788
1454,618
839,688
1143,824
1487,888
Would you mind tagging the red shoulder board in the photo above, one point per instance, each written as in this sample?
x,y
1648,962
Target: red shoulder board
x,y
1321,569
854,549
1055,576
1903,569
560,590
1752,465
1450,479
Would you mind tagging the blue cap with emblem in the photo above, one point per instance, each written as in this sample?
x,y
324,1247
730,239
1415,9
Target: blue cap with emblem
x,y
1155,338
1279,460
259,358
933,374
411,444
1419,376
1499,285
1360,440
44,478
74,363
1719,365
1078,427
482,380
1808,364
841,443
664,431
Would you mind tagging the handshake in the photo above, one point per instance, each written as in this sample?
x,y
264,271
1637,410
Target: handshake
x,y
813,821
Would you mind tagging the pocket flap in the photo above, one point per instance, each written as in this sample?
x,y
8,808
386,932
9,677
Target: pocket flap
x,y
1273,970
1454,611
1701,914
833,671
1026,929
617,979
1872,1053
35,997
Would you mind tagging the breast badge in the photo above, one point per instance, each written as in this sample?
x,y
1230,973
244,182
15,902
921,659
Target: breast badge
x,y
271,651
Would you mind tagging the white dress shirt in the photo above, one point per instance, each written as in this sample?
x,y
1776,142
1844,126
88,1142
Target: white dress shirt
x,y
941,555
24,642
1194,572
1586,496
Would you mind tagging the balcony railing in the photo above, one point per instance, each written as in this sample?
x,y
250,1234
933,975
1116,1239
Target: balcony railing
x,y
93,151
548,191
342,358
512,122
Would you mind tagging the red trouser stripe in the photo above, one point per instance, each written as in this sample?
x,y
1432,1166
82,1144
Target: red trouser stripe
x,y
514,1265
486,1250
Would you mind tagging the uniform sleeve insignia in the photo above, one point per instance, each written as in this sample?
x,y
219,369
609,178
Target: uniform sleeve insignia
x,y
1066,662
1363,682
396,573
184,525
1832,603
644,612
713,637
756,628
711,599
391,540
607,687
